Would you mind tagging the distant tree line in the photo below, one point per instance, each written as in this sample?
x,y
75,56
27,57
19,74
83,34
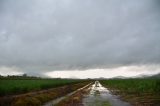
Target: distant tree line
x,y
23,76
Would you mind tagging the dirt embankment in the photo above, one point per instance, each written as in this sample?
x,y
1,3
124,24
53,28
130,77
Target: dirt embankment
x,y
76,98
40,97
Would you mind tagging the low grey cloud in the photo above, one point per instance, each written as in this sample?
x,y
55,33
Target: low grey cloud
x,y
37,35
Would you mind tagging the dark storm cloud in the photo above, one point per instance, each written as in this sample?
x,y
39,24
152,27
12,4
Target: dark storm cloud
x,y
78,34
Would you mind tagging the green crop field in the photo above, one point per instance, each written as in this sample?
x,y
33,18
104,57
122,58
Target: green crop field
x,y
141,91
134,85
16,86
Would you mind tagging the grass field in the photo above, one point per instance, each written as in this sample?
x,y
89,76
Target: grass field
x,y
134,85
17,86
141,91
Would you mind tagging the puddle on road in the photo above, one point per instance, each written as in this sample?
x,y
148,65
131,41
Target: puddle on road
x,y
101,96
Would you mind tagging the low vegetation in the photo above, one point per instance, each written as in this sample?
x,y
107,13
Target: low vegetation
x,y
143,91
135,85
12,86
27,91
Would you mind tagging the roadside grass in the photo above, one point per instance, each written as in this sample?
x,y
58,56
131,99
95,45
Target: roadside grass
x,y
140,91
134,85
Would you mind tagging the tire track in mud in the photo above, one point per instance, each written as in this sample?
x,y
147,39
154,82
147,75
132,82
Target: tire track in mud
x,y
72,99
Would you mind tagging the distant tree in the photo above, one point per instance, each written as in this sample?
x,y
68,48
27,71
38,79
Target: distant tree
x,y
24,75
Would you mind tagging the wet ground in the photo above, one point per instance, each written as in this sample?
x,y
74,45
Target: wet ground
x,y
60,99
97,96
101,96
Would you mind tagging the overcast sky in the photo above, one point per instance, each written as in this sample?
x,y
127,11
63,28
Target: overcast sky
x,y
61,37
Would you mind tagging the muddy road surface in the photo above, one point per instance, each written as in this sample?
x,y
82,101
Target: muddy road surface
x,y
96,95
101,96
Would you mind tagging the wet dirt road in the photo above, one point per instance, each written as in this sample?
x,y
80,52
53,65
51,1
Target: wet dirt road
x,y
101,96
97,96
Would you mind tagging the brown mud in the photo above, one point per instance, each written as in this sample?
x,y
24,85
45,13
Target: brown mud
x,y
76,98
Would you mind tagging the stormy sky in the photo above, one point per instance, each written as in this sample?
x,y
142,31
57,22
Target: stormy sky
x,y
67,37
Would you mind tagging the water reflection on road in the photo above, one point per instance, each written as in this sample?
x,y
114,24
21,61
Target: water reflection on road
x,y
101,96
